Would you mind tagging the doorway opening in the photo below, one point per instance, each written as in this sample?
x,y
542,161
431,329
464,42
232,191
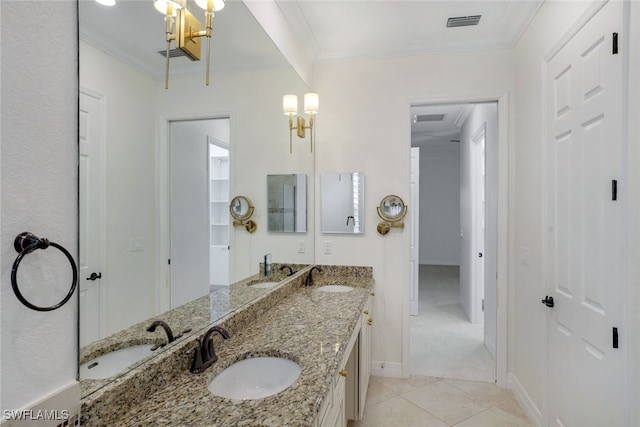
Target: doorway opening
x,y
453,324
197,227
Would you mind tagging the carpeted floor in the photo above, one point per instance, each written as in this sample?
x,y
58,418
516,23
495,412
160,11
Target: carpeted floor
x,y
443,342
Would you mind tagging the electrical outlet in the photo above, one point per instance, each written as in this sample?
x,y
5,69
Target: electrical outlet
x,y
328,247
302,248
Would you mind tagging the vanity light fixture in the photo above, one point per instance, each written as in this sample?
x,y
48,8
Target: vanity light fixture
x,y
185,29
290,108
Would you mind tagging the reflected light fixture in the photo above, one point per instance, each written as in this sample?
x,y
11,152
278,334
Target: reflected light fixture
x,y
107,2
185,29
290,108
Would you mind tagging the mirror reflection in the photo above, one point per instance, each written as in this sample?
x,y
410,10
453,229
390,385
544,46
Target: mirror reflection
x,y
287,203
342,202
129,160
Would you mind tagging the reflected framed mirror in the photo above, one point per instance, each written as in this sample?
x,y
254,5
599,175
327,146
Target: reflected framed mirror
x,y
342,202
287,203
241,209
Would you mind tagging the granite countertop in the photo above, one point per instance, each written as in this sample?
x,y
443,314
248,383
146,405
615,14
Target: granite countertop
x,y
310,327
189,317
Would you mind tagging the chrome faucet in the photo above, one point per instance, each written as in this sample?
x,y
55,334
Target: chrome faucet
x,y
267,265
167,329
291,272
309,280
204,354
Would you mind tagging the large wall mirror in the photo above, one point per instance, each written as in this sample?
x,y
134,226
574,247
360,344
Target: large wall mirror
x,y
287,203
342,202
135,135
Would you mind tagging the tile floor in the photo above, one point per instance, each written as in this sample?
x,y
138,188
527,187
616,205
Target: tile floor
x,y
421,401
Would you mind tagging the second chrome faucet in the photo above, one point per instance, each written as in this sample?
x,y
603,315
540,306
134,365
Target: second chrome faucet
x,y
204,354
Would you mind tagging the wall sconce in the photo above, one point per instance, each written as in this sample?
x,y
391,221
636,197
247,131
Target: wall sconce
x,y
185,29
290,107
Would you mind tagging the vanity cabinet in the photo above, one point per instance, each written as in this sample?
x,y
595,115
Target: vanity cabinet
x,y
365,351
348,391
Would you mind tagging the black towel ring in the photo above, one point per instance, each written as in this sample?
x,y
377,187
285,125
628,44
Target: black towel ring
x,y
24,244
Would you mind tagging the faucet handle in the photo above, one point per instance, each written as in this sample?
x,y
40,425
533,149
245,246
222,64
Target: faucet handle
x,y
196,364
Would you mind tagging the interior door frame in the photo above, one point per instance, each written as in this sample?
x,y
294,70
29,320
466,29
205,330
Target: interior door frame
x,y
504,227
163,200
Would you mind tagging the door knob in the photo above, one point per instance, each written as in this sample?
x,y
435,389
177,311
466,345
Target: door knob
x,y
548,301
94,276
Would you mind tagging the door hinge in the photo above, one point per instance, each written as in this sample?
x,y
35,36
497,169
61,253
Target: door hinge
x,y
614,49
614,189
483,305
615,337
169,261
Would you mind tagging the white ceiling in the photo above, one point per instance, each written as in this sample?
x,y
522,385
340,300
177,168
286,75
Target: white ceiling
x,y
330,30
342,30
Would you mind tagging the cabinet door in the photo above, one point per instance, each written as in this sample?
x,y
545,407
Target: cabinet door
x,y
365,355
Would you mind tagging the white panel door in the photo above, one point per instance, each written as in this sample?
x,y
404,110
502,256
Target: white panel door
x,y
190,216
584,236
414,207
91,198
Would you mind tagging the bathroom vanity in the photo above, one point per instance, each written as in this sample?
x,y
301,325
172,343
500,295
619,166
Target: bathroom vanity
x,y
328,334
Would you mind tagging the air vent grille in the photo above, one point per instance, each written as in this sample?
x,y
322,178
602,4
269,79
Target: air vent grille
x,y
419,118
173,53
463,21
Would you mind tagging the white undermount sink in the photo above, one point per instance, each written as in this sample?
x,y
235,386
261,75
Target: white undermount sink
x,y
264,285
255,378
109,364
335,288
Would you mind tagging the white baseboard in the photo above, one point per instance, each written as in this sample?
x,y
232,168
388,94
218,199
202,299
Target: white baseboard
x,y
523,398
60,408
386,369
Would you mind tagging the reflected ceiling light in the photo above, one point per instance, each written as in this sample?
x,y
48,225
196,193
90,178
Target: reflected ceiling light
x,y
290,108
107,2
185,29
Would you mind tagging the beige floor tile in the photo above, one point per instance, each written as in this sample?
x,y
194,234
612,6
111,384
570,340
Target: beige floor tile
x,y
493,417
491,395
405,385
397,412
445,402
377,393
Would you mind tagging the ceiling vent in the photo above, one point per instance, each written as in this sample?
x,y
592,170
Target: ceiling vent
x,y
173,53
419,118
463,21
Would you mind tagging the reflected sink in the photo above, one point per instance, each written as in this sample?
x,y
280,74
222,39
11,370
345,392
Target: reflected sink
x,y
264,285
255,378
335,288
109,364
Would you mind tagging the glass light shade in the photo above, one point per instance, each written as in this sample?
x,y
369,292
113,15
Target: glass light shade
x,y
161,5
107,2
311,103
290,104
217,4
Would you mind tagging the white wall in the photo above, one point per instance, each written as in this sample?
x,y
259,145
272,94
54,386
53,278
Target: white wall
x,y
39,164
440,205
129,277
365,128
259,147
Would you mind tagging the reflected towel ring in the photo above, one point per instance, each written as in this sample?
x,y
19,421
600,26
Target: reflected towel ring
x,y
24,244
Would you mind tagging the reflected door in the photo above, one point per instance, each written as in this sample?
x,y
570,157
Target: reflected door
x,y
91,199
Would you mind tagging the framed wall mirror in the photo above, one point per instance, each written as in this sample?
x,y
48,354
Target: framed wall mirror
x,y
122,84
342,202
287,203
